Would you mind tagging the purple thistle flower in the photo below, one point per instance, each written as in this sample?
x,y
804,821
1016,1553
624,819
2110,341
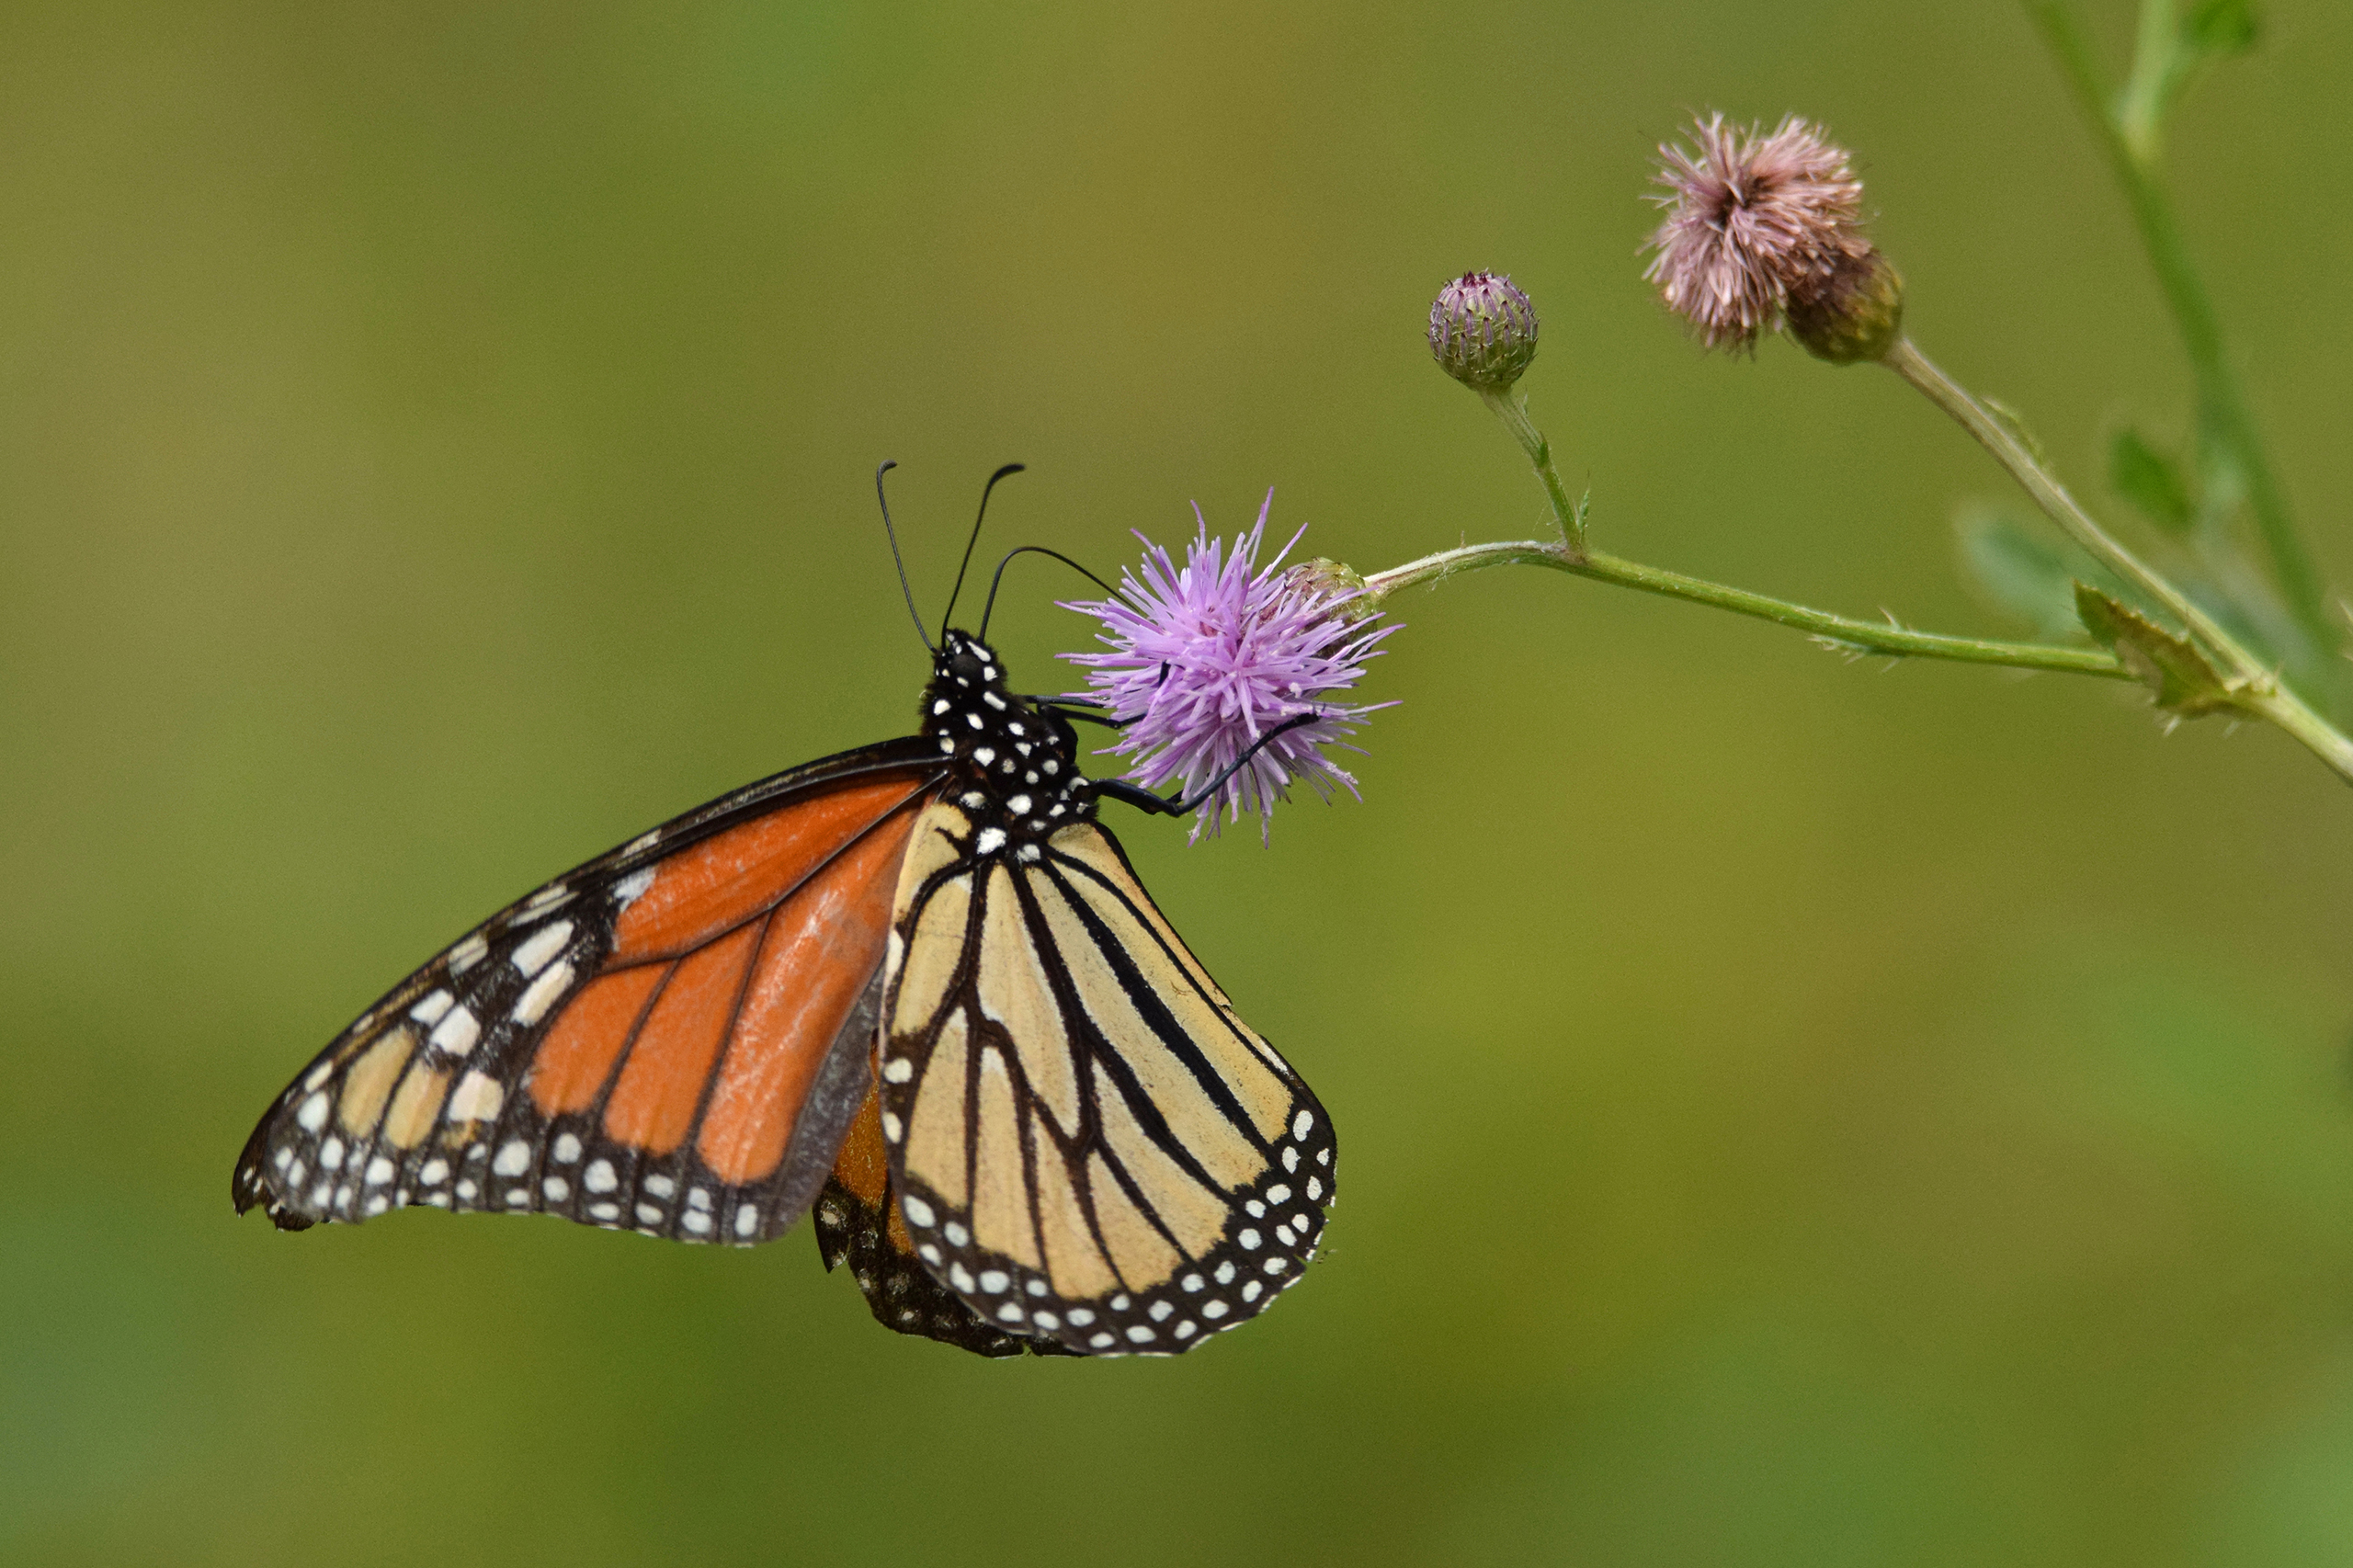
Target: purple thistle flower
x,y
1208,657
1751,220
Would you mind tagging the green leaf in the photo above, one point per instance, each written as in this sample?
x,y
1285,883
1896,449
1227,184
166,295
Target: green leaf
x,y
2147,478
2181,679
2018,570
2214,28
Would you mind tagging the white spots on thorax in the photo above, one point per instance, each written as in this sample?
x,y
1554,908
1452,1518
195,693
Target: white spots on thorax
x,y
974,720
938,707
457,1033
660,1186
599,1177
1018,805
467,953
477,1097
313,1114
542,945
514,1159
429,1011
747,1219
1051,767
567,1148
994,700
630,889
990,841
540,995
984,754
917,1211
556,1187
380,1171
947,743
973,801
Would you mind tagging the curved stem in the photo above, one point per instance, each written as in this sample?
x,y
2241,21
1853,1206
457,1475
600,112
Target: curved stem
x,y
2220,402
2026,466
1879,636
1509,408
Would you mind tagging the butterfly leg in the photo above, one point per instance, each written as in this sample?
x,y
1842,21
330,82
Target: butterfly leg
x,y
1145,801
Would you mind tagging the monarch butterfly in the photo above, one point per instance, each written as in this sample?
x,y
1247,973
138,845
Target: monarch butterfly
x,y
916,987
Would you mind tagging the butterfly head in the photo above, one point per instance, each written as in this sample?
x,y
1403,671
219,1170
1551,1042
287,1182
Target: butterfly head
x,y
1017,763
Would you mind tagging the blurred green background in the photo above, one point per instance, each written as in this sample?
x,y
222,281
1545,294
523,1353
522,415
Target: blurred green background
x,y
1795,1112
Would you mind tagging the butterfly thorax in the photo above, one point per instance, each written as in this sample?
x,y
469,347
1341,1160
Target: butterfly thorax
x,y
1014,766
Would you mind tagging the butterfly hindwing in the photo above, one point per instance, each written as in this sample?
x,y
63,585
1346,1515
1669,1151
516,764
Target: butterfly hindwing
x,y
671,1039
1086,1143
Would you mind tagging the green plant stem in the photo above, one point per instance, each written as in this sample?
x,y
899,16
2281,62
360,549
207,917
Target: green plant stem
x,y
1874,636
1997,437
2222,406
1512,410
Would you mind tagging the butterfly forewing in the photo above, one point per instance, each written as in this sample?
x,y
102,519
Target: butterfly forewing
x,y
672,1039
1088,1145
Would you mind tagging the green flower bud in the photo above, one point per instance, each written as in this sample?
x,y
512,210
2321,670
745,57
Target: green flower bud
x,y
1851,312
1482,331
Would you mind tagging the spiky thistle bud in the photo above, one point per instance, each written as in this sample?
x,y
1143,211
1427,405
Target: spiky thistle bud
x,y
1482,331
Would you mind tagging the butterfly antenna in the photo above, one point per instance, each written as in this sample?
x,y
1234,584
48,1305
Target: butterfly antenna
x,y
990,608
888,464
975,540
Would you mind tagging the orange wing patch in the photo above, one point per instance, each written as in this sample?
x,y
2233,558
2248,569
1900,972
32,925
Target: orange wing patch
x,y
728,879
821,948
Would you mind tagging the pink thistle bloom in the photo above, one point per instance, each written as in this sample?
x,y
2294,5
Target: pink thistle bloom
x,y
1206,658
1751,220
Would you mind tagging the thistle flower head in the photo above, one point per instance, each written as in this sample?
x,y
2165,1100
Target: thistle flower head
x,y
1751,220
1206,659
1482,331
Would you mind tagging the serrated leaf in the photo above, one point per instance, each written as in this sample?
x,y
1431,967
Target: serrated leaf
x,y
2217,28
2149,478
2181,679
